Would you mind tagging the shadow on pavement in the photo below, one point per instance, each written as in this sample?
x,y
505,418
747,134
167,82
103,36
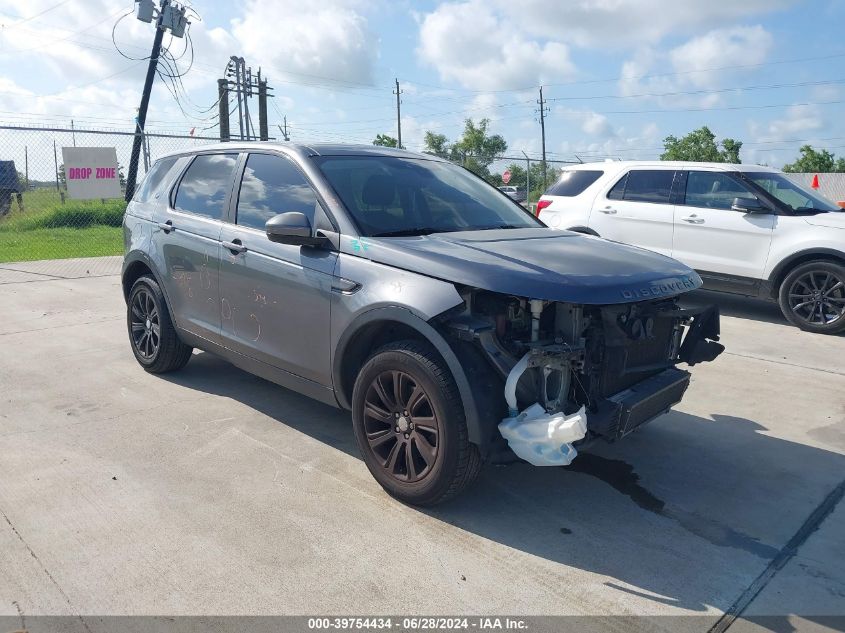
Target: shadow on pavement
x,y
686,512
738,306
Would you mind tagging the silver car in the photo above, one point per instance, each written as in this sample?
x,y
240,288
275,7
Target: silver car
x,y
453,324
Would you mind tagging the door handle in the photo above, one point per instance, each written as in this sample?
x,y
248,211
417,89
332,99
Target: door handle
x,y
167,226
235,246
693,219
608,211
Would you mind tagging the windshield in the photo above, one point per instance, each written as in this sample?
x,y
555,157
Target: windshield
x,y
792,195
389,196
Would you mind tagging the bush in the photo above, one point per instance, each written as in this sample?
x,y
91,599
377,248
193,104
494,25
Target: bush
x,y
82,215
74,214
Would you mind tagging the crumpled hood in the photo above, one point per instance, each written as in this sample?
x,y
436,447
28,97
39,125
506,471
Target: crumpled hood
x,y
833,220
537,263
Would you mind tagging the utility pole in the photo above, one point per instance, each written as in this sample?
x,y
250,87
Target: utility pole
x,y
398,115
284,130
543,111
172,17
263,131
223,108
237,72
247,85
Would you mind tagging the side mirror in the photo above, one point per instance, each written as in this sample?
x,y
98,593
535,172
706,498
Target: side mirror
x,y
748,205
292,228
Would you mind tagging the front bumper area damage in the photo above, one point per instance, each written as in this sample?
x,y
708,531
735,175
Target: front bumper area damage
x,y
577,373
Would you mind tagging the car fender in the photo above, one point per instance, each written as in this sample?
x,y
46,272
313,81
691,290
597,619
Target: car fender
x,y
780,263
136,256
399,314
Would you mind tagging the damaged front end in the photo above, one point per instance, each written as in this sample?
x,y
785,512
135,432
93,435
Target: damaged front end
x,y
576,373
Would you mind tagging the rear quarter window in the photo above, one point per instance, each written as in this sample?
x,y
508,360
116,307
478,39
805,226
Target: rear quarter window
x,y
154,178
574,182
206,184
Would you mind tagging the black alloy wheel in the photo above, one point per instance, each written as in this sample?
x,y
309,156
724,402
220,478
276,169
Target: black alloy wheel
x,y
145,324
402,428
813,297
410,424
155,342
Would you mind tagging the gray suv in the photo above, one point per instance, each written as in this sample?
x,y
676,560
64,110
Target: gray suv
x,y
453,324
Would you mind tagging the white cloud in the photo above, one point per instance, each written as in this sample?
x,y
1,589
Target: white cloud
x,y
468,43
628,23
743,45
313,40
681,76
640,143
798,121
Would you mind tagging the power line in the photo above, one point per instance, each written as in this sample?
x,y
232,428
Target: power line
x,y
721,108
678,93
646,76
39,14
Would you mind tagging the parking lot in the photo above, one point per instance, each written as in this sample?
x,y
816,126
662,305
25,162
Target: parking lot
x,y
210,491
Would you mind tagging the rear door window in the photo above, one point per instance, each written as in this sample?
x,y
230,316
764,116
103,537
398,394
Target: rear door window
x,y
648,185
206,185
573,182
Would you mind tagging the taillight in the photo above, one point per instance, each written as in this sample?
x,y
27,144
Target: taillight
x,y
542,204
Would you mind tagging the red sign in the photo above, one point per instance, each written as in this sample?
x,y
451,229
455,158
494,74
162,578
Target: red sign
x,y
506,176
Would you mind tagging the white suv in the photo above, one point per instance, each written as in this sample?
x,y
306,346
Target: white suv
x,y
746,229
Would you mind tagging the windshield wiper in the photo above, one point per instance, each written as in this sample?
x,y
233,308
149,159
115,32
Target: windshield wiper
x,y
420,230
493,227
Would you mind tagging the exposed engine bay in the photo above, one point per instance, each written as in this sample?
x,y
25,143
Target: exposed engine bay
x,y
575,373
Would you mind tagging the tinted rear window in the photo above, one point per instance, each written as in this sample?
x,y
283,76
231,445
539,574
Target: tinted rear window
x,y
154,178
206,184
648,185
573,182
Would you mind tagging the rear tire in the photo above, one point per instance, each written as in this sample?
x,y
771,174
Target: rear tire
x,y
153,337
812,297
410,426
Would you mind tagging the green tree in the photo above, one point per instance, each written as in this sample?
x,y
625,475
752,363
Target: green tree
x,y
384,140
700,145
477,149
731,149
436,144
815,161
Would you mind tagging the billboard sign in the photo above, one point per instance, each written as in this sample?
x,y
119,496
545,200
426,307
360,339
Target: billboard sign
x,y
91,172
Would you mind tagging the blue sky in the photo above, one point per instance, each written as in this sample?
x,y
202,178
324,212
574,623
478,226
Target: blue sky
x,y
620,75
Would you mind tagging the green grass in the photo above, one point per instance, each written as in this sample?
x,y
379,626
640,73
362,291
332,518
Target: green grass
x,y
60,243
48,229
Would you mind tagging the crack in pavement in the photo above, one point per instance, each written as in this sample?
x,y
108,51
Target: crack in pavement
x,y
787,552
44,569
780,362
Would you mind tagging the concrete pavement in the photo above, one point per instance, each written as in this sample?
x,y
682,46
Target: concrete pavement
x,y
211,491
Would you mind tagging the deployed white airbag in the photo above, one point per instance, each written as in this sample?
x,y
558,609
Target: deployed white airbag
x,y
544,439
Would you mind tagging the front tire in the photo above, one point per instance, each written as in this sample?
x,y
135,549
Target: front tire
x,y
812,297
410,426
153,337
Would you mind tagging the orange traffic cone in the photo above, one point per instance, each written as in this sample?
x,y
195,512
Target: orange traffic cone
x,y
815,184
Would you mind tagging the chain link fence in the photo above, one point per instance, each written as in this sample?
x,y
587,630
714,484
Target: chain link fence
x,y
38,218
